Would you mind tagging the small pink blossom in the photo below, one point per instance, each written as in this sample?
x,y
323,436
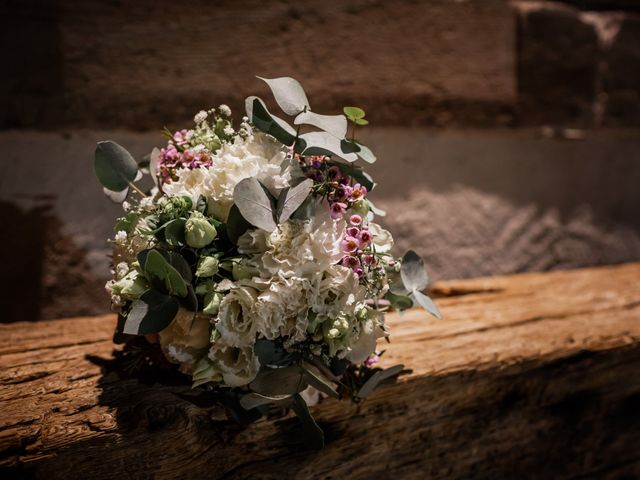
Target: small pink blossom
x,y
337,210
365,237
369,259
357,192
372,360
353,231
350,261
350,244
355,220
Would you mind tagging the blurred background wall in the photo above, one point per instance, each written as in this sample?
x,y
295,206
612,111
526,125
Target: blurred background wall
x,y
506,131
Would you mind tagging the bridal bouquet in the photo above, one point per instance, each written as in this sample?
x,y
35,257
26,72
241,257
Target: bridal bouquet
x,y
253,261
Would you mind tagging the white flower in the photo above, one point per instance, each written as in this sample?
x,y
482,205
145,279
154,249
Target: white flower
x,y
297,248
200,117
228,131
235,320
120,237
185,340
281,308
238,366
339,292
146,203
126,206
225,110
258,156
365,336
382,239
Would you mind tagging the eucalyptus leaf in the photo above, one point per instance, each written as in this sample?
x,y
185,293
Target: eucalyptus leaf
x,y
308,208
377,378
116,197
174,232
190,301
426,303
268,123
366,154
291,198
161,274
279,381
236,224
114,166
271,354
314,434
151,313
288,93
255,203
377,211
323,143
253,400
362,177
348,146
399,302
317,380
336,125
414,276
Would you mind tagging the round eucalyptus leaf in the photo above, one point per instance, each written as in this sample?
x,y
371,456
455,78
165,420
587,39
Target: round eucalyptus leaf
x,y
336,125
116,197
414,276
323,143
151,313
426,303
255,203
288,93
114,166
353,113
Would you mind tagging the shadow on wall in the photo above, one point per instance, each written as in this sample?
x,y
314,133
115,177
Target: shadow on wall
x,y
48,275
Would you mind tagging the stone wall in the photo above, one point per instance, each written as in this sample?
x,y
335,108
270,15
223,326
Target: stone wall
x,y
520,148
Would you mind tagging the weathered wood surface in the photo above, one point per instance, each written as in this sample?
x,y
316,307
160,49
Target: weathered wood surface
x,y
530,376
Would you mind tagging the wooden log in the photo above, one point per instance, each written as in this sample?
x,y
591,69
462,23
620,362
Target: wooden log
x,y
529,376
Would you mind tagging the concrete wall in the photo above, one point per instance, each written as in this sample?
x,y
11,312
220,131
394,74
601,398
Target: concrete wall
x,y
519,149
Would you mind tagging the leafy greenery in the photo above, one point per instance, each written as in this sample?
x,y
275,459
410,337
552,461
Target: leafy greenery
x,y
114,166
152,313
414,278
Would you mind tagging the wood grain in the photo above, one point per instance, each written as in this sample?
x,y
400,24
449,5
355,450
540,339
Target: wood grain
x,y
528,376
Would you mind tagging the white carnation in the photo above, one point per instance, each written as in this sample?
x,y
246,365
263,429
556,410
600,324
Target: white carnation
x,y
297,248
185,340
258,156
235,319
339,292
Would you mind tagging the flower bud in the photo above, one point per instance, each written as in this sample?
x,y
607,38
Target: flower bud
x,y
208,266
242,271
212,303
198,232
360,208
131,286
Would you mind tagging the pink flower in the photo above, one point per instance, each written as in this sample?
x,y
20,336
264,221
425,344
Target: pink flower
x,y
353,231
355,220
334,174
373,359
350,244
365,237
369,259
337,210
358,192
350,261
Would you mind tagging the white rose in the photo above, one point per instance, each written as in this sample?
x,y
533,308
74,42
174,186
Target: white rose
x,y
236,322
237,365
186,338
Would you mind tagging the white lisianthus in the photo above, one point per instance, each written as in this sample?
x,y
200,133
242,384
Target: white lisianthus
x,y
297,248
259,156
339,292
235,322
237,365
365,336
186,339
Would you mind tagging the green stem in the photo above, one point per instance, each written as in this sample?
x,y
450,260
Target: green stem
x,y
137,190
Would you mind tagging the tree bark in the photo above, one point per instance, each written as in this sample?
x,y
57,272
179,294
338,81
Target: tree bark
x,y
528,376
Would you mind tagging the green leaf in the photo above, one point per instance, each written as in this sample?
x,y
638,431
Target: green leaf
x,y
336,125
353,113
313,433
267,123
291,198
317,380
255,203
161,274
414,276
348,146
201,204
271,354
399,302
279,381
236,225
427,304
154,161
378,377
126,223
174,232
323,143
114,166
361,121
288,93
366,154
151,313
253,400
